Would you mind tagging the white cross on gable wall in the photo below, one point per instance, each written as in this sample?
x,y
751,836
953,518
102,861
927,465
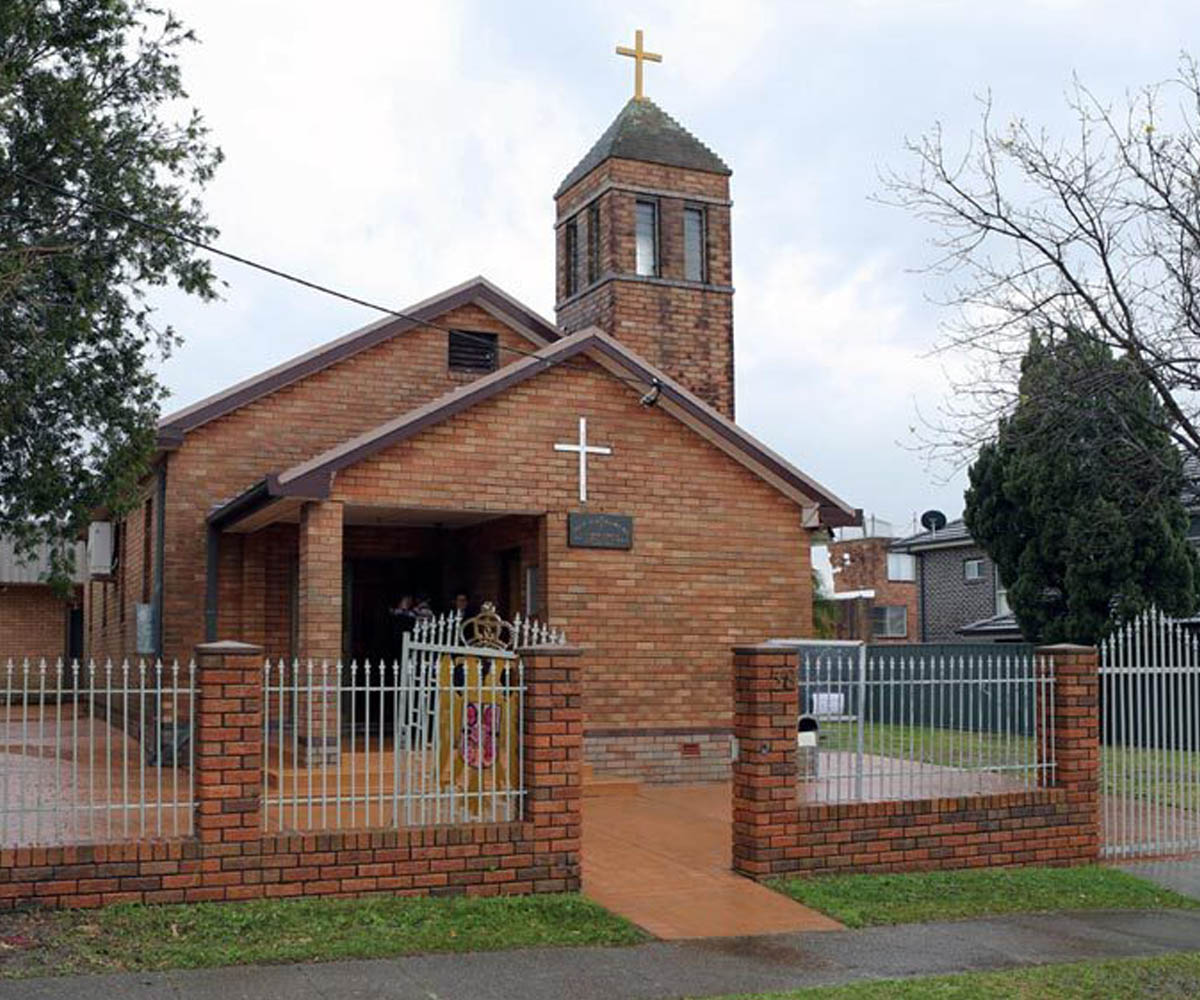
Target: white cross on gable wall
x,y
584,449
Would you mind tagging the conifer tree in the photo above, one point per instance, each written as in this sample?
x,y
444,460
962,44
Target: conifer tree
x,y
1078,498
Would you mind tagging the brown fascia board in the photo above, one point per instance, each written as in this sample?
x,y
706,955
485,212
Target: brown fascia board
x,y
313,479
172,428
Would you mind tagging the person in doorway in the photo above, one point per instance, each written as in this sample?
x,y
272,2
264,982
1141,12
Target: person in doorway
x,y
423,609
461,605
405,613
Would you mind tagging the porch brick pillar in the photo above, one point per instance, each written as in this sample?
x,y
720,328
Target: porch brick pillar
x,y
227,747
1074,738
765,795
554,764
320,630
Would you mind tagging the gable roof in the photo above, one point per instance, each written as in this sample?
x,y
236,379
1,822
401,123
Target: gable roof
x,y
478,291
643,131
313,479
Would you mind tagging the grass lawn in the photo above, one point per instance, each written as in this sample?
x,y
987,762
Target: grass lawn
x,y
206,934
1174,781
866,900
1173,977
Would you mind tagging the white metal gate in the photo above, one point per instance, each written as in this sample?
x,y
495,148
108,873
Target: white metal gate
x,y
1150,747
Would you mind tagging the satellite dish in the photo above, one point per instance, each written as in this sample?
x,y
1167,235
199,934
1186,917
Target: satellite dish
x,y
933,520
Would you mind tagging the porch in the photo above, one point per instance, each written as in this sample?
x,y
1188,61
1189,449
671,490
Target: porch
x,y
321,580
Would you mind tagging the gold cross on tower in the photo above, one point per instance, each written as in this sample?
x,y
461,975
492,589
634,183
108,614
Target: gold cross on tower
x,y
639,56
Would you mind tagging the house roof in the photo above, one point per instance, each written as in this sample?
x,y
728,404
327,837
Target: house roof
x,y
643,131
34,566
1004,625
313,479
954,535
477,290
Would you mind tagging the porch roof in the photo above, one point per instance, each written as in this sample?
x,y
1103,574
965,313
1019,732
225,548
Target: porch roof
x,y
313,479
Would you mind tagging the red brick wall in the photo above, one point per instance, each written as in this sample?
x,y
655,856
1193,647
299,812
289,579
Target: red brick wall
x,y
861,564
110,616
775,834
229,858
684,328
719,556
230,454
33,622
319,605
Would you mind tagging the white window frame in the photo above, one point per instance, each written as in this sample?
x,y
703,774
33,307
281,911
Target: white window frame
x,y
702,252
656,241
903,558
893,614
977,564
1002,605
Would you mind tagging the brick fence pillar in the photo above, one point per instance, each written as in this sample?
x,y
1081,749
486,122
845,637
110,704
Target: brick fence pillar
x,y
1074,737
765,798
320,630
554,764
227,747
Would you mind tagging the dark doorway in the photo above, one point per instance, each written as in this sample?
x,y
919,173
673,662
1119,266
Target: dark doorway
x,y
374,586
373,636
510,583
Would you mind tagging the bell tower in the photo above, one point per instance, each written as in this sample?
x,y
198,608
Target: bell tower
x,y
643,245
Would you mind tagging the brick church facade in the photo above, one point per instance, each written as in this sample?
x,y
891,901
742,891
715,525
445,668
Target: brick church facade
x,y
418,454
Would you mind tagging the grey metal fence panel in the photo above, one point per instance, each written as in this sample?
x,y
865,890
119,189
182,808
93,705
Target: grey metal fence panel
x,y
900,722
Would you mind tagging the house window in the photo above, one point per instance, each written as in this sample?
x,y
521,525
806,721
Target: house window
x,y
473,352
901,566
593,247
889,621
694,245
572,257
972,570
1002,606
647,238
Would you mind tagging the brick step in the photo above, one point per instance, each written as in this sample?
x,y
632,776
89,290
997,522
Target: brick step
x,y
595,788
611,787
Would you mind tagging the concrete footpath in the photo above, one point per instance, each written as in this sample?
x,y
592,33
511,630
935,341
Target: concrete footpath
x,y
701,968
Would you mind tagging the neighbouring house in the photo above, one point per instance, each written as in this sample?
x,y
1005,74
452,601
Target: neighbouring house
x,y
587,471
960,597
875,587
37,622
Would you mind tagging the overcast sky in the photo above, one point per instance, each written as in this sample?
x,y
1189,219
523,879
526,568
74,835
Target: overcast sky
x,y
394,149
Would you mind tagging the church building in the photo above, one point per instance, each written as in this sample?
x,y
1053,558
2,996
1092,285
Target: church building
x,y
587,471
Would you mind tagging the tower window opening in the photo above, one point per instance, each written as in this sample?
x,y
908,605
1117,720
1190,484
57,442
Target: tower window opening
x,y
647,239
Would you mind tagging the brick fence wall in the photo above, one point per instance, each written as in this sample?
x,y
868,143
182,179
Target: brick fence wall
x,y
230,858
775,834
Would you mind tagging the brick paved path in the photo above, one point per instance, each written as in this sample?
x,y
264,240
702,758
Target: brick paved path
x,y
661,858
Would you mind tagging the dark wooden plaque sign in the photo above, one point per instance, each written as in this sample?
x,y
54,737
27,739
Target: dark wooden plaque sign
x,y
600,531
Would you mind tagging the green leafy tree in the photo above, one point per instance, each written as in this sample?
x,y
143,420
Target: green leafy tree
x,y
97,159
1078,498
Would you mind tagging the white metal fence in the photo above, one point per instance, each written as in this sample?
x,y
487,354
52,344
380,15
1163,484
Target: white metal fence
x,y
94,753
881,723
1150,744
437,737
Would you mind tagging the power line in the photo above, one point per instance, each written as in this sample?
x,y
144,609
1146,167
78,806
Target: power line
x,y
305,282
